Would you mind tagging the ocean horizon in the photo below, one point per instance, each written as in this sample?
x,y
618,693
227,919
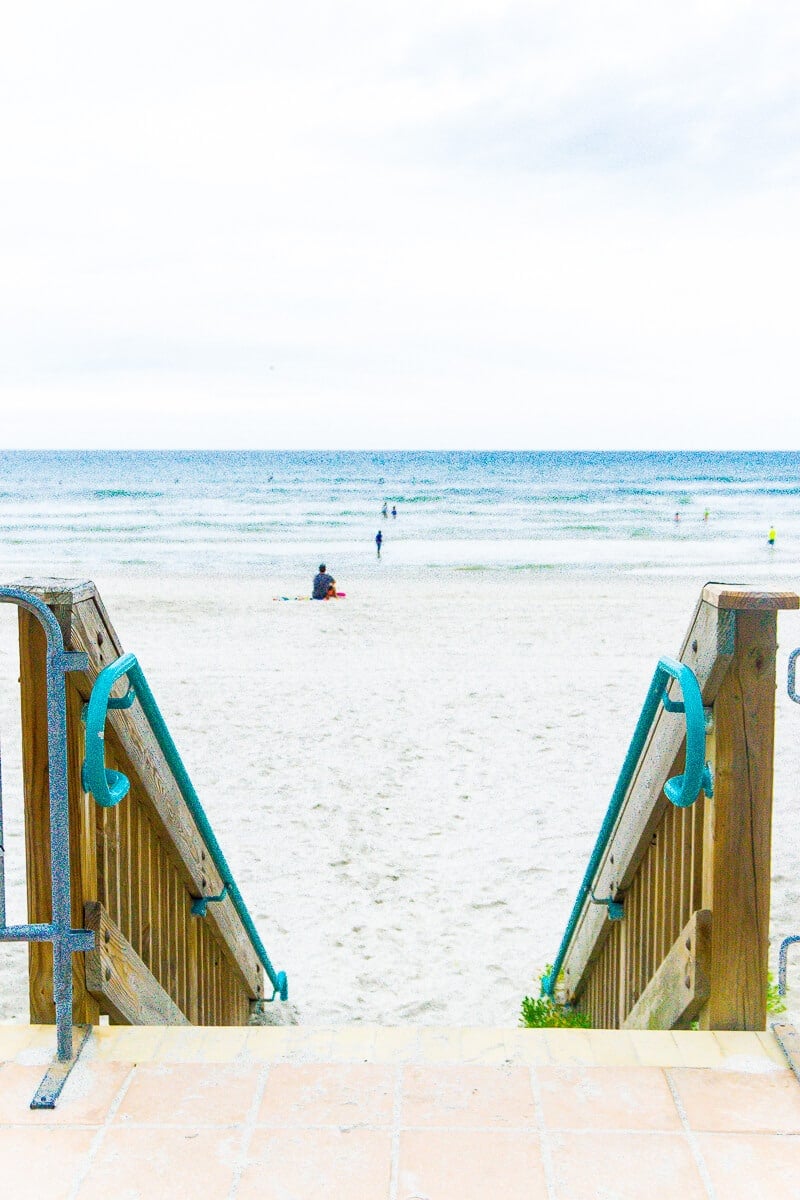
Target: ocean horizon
x,y
241,512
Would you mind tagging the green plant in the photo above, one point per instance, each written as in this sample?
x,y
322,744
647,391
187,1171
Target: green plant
x,y
539,1012
775,1002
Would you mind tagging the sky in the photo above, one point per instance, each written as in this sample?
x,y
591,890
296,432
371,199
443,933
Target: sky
x,y
449,223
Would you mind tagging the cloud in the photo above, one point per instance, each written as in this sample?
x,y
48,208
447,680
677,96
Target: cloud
x,y
458,223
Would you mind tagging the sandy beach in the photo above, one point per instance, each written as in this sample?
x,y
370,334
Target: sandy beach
x,y
408,783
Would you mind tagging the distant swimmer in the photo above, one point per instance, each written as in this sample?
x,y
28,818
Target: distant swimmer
x,y
379,541
324,586
771,536
394,510
384,511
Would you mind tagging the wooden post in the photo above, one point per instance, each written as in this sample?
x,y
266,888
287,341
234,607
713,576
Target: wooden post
x,y
738,824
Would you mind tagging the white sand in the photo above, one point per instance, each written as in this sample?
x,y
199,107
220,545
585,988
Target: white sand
x,y
407,784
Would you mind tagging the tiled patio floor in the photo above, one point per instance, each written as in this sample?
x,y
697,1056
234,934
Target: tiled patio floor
x,y
365,1113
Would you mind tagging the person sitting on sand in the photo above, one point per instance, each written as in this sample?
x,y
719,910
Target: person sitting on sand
x,y
324,584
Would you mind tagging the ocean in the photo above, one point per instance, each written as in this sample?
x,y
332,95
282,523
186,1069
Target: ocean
x,y
277,513
408,784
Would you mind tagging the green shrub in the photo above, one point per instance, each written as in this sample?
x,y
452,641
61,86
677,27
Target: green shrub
x,y
540,1013
775,1002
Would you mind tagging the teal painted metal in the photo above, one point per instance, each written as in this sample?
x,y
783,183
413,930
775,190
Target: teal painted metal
x,y
615,908
682,790
200,903
109,787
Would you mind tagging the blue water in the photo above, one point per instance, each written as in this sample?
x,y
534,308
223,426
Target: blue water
x,y
200,512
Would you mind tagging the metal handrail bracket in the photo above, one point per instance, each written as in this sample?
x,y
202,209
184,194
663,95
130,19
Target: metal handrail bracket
x,y
66,940
109,787
682,790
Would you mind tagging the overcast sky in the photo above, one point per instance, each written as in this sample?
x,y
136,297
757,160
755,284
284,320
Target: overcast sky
x,y
431,223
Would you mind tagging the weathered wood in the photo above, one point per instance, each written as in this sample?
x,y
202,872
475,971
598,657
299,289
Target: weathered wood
x,y
83,858
680,986
677,864
123,985
142,860
708,649
739,829
723,596
135,748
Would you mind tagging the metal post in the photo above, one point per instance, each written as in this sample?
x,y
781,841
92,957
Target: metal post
x,y
66,940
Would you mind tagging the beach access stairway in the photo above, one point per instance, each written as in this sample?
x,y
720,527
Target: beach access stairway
x,y
124,875
671,922
134,914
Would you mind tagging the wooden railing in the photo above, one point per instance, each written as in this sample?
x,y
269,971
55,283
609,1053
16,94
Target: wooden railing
x,y
695,882
135,868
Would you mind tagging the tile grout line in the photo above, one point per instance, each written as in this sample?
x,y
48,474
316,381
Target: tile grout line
x,y
544,1140
249,1127
97,1141
397,1107
691,1137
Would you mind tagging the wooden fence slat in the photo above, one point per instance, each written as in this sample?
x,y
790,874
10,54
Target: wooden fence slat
x,y
680,986
115,973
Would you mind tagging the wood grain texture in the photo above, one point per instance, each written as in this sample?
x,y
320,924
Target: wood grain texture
x,y
142,860
724,596
135,750
738,837
121,982
708,648
680,986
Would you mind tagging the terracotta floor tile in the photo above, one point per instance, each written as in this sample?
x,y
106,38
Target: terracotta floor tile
x,y
160,1164
575,1097
37,1163
319,1164
448,1164
729,1101
343,1094
85,1100
752,1166
625,1166
467,1097
188,1094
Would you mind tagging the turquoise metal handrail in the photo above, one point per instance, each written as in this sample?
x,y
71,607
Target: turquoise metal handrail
x,y
682,790
109,787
